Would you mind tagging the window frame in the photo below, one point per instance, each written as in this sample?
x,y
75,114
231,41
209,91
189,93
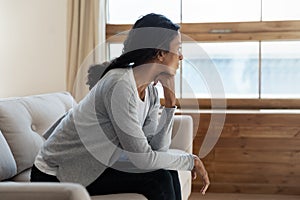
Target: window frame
x,y
229,32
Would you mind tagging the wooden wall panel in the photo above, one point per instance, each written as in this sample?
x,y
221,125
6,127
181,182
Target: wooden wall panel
x,y
236,31
257,152
249,188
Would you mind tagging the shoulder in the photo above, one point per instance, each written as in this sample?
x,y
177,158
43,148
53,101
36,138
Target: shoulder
x,y
120,77
118,74
117,83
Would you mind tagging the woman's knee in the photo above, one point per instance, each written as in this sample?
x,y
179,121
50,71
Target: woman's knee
x,y
164,176
164,185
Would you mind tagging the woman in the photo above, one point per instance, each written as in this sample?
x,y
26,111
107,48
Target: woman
x,y
112,142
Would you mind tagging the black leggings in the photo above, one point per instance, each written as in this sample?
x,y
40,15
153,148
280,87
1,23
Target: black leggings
x,y
156,185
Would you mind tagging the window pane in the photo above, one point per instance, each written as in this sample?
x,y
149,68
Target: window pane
x,y
235,63
115,50
280,10
127,12
281,69
220,11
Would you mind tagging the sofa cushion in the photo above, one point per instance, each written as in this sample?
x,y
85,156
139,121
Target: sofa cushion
x,y
182,133
24,119
124,196
185,183
24,176
8,167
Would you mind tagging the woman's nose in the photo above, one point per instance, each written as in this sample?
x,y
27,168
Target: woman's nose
x,y
180,56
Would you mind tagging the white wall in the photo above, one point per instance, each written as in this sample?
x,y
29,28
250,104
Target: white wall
x,y
32,46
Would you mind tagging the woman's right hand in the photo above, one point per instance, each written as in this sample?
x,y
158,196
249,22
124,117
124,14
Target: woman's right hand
x,y
168,83
200,170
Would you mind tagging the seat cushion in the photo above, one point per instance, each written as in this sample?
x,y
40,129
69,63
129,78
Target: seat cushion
x,y
23,176
24,119
185,183
8,167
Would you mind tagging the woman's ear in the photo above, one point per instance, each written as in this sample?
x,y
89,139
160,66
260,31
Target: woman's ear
x,y
161,56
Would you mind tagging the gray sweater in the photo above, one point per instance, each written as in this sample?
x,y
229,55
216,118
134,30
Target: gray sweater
x,y
105,124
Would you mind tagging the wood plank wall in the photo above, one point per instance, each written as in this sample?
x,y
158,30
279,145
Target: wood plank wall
x,y
256,153
220,32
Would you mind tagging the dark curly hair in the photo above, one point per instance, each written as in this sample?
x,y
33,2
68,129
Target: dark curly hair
x,y
94,73
149,35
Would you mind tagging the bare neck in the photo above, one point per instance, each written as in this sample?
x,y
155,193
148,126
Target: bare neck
x,y
144,75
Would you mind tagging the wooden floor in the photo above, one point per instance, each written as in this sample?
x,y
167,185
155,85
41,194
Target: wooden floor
x,y
229,196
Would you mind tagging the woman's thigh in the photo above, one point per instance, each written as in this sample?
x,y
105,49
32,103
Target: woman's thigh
x,y
160,184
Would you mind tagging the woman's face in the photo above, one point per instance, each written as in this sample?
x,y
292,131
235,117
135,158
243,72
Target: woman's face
x,y
172,58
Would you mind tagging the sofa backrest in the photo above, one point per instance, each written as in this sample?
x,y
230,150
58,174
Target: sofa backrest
x,y
182,133
23,120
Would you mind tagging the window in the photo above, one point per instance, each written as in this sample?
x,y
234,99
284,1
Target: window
x,y
275,10
253,45
196,11
235,62
280,69
127,12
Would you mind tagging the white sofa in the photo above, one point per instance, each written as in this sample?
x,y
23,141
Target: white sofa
x,y
23,120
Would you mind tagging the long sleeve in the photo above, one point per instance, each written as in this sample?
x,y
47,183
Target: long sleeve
x,y
121,104
159,132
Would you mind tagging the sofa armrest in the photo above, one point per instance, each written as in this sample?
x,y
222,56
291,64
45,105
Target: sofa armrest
x,y
182,134
45,191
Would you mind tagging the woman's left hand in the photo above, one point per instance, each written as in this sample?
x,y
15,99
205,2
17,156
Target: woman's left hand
x,y
200,169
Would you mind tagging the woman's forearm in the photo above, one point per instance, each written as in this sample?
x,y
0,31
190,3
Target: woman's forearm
x,y
170,99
